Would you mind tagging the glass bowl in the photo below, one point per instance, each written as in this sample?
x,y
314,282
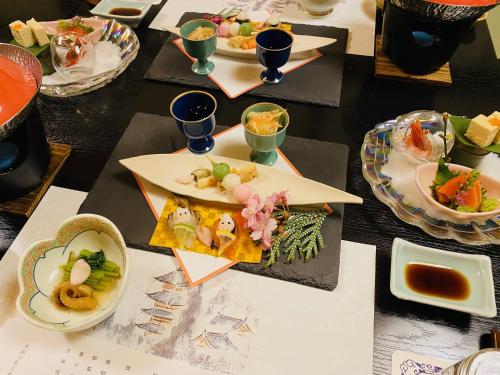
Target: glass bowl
x,y
119,34
420,135
376,148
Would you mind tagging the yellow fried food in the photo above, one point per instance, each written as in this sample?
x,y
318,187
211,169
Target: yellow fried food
x,y
201,33
247,173
264,123
76,297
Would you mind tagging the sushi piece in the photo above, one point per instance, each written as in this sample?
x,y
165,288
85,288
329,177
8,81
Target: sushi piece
x,y
38,31
22,34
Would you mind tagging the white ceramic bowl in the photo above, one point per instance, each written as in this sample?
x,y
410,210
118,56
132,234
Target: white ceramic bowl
x,y
104,8
475,268
39,272
425,175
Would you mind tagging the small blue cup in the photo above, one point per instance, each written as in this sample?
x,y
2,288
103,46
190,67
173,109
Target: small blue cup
x,y
273,51
194,112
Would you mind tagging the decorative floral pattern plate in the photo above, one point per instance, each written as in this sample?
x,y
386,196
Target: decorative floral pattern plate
x,y
374,155
39,272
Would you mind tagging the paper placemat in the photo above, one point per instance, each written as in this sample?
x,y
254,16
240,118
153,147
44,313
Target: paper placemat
x,y
317,80
493,21
127,207
262,320
406,363
358,16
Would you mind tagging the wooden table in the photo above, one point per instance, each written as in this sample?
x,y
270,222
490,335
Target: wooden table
x,y
93,123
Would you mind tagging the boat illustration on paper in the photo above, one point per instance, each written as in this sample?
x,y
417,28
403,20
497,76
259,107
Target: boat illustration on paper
x,y
163,169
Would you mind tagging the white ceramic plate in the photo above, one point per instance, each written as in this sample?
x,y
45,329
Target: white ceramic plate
x,y
105,6
476,268
39,272
163,169
425,176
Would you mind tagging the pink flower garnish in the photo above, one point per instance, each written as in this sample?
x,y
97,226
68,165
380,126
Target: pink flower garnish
x,y
460,198
253,207
270,202
263,229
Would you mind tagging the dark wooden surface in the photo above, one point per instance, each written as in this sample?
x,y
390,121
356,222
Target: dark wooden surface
x,y
93,123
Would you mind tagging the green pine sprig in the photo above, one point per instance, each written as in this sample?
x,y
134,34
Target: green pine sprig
x,y
299,233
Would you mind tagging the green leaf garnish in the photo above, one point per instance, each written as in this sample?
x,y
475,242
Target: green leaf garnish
x,y
443,174
460,125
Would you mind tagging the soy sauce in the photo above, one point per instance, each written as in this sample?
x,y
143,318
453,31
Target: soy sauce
x,y
437,281
125,11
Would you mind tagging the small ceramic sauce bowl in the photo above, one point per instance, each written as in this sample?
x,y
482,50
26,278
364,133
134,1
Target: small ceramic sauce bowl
x,y
39,272
425,175
104,8
475,268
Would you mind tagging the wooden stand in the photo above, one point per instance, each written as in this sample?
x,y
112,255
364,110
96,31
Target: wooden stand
x,y
385,68
25,205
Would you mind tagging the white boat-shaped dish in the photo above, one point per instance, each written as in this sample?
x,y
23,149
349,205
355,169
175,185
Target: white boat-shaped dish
x,y
163,169
39,272
302,46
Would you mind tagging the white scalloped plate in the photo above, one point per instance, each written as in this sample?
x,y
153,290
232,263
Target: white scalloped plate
x,y
39,272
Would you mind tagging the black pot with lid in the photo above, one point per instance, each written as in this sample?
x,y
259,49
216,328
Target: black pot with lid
x,y
24,151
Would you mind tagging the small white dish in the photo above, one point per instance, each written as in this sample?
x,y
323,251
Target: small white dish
x,y
475,268
39,272
425,175
104,8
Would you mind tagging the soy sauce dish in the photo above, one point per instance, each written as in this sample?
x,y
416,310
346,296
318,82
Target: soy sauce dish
x,y
441,278
130,12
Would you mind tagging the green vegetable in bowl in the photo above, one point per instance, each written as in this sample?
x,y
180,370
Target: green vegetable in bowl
x,y
104,273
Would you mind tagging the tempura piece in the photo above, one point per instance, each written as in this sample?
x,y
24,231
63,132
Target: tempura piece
x,y
264,123
201,33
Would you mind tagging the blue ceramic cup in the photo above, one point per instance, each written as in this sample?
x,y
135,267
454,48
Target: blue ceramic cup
x,y
200,49
273,51
194,112
264,146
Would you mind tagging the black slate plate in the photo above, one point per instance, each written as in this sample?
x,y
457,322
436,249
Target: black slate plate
x,y
318,82
117,196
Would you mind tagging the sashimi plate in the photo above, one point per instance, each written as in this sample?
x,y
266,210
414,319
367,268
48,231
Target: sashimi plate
x,y
163,169
375,154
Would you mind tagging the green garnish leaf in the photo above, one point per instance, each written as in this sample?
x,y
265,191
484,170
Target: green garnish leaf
x,y
443,174
473,177
460,125
95,260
